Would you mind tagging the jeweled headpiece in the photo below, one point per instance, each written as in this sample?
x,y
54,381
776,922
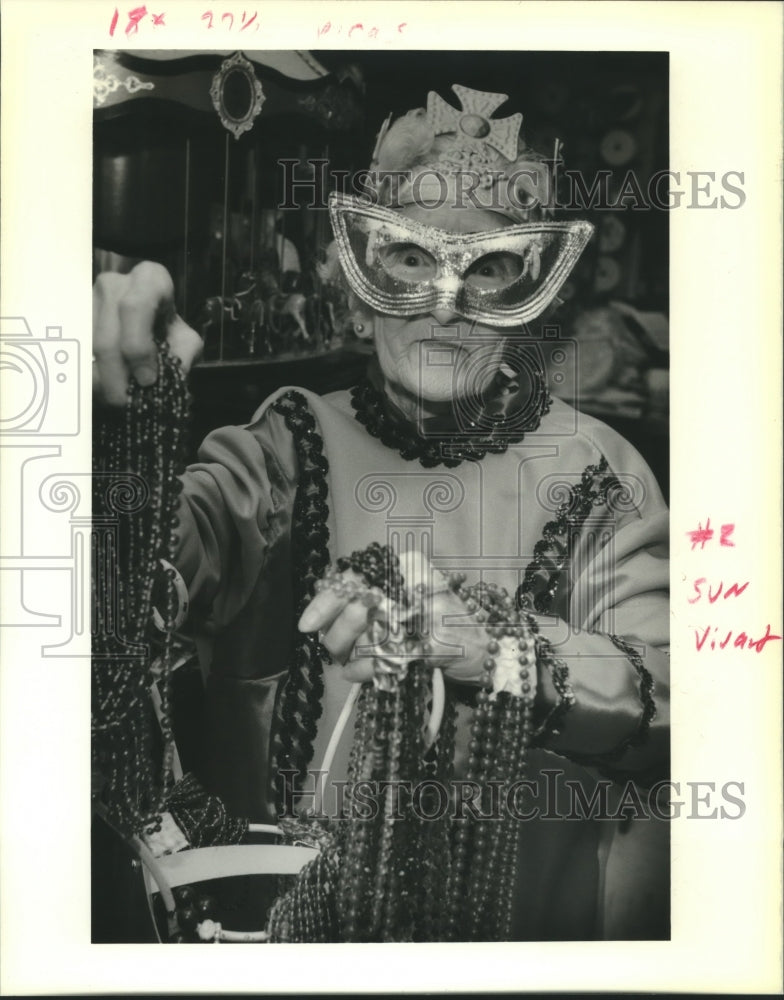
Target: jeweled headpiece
x,y
463,157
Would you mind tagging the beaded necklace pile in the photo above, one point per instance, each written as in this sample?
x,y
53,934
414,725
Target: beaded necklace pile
x,y
133,537
406,861
411,859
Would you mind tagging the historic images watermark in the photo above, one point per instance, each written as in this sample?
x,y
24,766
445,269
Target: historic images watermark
x,y
554,797
308,183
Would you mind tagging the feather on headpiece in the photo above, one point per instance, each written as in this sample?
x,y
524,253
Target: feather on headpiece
x,y
444,151
410,138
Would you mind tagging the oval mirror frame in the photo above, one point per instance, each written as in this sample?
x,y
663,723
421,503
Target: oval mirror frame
x,y
236,94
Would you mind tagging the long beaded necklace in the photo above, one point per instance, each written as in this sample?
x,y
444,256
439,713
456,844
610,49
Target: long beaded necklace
x,y
298,705
394,870
133,535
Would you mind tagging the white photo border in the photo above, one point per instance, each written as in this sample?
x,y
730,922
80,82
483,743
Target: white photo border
x,y
725,80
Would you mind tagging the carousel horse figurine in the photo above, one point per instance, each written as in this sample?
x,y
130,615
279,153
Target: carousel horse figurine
x,y
284,302
293,307
331,302
250,311
242,318
320,317
210,323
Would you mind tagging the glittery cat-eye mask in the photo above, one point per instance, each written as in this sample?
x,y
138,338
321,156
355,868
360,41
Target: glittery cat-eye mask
x,y
501,277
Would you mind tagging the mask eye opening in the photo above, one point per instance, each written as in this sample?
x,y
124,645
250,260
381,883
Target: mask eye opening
x,y
496,270
407,261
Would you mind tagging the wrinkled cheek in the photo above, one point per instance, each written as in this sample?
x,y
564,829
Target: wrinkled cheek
x,y
457,380
476,371
436,383
410,368
388,360
443,372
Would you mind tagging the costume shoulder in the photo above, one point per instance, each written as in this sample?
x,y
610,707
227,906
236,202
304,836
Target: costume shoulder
x,y
333,402
581,432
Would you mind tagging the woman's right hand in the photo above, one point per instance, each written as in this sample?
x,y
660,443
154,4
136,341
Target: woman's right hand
x,y
129,311
347,624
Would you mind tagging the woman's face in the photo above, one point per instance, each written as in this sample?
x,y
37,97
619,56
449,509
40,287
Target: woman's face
x,y
438,356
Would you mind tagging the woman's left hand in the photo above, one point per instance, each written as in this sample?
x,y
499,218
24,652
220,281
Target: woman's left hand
x,y
356,634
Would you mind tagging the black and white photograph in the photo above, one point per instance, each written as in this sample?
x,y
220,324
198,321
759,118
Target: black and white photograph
x,y
378,474
410,586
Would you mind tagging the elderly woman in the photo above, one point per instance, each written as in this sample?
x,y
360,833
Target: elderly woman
x,y
451,452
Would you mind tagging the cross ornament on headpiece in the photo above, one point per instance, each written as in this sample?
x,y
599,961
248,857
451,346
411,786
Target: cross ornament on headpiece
x,y
443,154
473,119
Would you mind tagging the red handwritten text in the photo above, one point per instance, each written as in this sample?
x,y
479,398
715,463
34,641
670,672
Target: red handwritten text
x,y
716,637
135,17
699,535
734,591
358,29
741,641
248,19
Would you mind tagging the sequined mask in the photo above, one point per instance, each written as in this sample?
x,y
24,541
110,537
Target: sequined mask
x,y
501,277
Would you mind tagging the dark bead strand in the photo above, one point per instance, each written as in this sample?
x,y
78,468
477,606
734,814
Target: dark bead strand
x,y
496,862
351,832
372,411
483,768
402,908
380,568
382,758
481,859
425,877
545,572
298,708
510,845
559,673
387,864
427,832
495,852
438,834
363,832
148,439
511,751
420,868
375,875
465,827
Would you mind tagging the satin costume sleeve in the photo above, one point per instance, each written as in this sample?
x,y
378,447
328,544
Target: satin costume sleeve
x,y
235,510
602,598
235,556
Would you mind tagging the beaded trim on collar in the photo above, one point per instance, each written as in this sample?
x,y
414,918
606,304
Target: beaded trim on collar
x,y
374,413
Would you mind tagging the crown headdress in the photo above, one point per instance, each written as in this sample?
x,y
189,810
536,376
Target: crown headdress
x,y
473,122
433,147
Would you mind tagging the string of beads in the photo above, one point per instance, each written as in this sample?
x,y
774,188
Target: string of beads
x,y
411,859
133,532
372,411
298,706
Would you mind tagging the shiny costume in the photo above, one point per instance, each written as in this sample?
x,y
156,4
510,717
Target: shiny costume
x,y
579,879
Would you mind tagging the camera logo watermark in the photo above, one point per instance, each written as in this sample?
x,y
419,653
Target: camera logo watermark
x,y
44,560
39,381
